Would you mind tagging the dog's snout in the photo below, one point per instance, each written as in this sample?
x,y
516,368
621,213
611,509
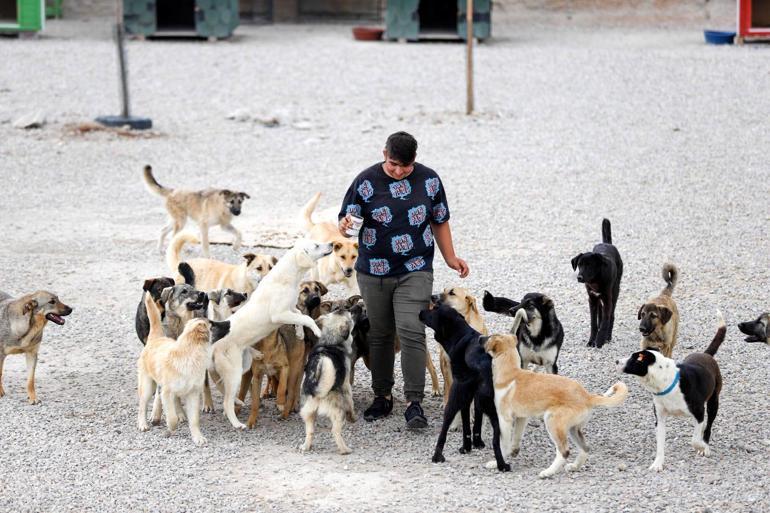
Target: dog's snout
x,y
580,278
67,310
435,298
348,273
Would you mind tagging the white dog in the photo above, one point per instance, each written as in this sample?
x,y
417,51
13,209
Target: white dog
x,y
273,304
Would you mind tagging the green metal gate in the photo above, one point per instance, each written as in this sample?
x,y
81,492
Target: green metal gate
x,y
402,19
24,16
212,18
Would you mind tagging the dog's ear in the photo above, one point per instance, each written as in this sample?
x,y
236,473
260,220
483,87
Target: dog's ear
x,y
243,195
325,307
226,192
215,296
639,315
274,260
576,261
337,246
471,302
147,287
665,314
249,257
547,302
322,290
355,245
353,300
29,306
165,295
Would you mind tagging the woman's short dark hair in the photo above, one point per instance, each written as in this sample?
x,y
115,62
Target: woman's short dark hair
x,y
401,147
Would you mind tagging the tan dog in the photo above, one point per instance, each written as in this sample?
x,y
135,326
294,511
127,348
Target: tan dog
x,y
465,304
178,367
208,207
21,329
339,267
563,402
212,274
660,318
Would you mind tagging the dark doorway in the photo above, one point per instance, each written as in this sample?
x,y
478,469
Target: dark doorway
x,y
8,12
438,15
760,13
176,15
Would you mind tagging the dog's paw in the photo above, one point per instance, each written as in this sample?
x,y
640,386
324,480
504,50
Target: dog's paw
x,y
571,467
238,403
438,458
351,417
208,409
345,451
591,343
435,392
200,441
656,466
491,464
304,447
504,467
34,401
702,449
155,421
240,426
545,474
515,452
2,391
142,426
465,449
478,443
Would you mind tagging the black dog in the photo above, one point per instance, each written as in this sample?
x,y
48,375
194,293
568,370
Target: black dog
x,y
601,271
472,373
757,331
154,287
540,338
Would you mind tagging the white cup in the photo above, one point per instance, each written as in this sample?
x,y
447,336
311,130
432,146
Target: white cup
x,y
355,227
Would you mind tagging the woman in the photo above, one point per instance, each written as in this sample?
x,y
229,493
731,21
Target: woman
x,y
405,212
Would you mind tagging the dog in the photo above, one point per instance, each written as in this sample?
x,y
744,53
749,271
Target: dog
x,y
209,274
207,207
660,318
326,388
272,305
22,321
757,331
540,336
182,303
223,303
520,393
153,287
689,389
472,373
282,358
340,266
178,367
601,271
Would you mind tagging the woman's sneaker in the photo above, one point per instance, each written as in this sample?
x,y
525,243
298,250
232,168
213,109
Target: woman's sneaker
x,y
380,408
415,417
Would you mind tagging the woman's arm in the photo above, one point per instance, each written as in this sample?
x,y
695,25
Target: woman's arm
x,y
443,236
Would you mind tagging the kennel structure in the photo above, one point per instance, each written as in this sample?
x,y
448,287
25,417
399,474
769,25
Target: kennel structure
x,y
416,19
753,20
202,18
22,15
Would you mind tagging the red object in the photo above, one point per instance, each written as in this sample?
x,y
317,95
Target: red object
x,y
753,20
368,33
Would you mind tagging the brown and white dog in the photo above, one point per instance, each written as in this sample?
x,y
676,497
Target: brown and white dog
x,y
563,402
339,267
207,207
209,274
660,318
22,321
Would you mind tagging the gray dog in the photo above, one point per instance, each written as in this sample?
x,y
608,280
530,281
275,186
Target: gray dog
x,y
21,329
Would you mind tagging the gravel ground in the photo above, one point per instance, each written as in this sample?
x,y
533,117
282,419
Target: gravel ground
x,y
662,134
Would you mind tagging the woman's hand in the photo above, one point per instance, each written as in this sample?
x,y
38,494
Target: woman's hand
x,y
345,223
459,265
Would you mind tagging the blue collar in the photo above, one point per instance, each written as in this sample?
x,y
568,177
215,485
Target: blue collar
x,y
671,386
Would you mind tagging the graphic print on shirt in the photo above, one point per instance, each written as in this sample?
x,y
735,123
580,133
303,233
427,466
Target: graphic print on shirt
x,y
382,215
402,244
366,190
427,237
401,189
369,237
353,209
379,266
432,186
439,212
417,215
415,264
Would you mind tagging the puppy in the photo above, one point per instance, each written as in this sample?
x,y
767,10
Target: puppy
x,y
360,345
338,267
472,372
272,305
182,303
153,287
660,318
209,274
223,303
177,366
563,402
22,321
757,331
601,271
540,336
690,389
326,388
207,207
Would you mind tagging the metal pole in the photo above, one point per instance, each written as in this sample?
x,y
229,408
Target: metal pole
x,y
469,56
123,72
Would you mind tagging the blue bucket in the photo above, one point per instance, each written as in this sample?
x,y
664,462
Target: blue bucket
x,y
719,37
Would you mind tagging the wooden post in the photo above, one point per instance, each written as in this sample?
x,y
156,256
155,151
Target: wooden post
x,y
469,57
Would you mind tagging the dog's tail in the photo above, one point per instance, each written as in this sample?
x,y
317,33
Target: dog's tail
x,y
307,212
152,184
719,337
175,249
319,377
670,276
606,231
614,396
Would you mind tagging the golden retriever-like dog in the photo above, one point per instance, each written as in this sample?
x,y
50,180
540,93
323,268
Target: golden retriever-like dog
x,y
519,394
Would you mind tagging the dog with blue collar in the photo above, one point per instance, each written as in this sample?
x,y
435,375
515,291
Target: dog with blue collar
x,y
690,388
